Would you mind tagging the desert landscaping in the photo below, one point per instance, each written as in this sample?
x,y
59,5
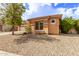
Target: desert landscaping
x,y
40,45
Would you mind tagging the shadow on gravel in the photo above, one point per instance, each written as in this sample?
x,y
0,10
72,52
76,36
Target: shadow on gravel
x,y
70,35
31,37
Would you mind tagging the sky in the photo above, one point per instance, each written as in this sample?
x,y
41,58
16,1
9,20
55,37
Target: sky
x,y
43,9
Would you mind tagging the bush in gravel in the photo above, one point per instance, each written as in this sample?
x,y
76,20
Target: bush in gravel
x,y
27,30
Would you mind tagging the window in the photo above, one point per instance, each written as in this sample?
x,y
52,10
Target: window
x,y
53,21
39,25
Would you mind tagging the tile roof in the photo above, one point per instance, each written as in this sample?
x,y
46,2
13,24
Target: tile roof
x,y
42,17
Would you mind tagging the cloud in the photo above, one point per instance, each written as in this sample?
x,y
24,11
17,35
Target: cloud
x,y
77,11
33,8
24,4
61,10
67,12
55,4
44,9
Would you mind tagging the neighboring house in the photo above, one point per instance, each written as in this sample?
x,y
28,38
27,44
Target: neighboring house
x,y
0,27
46,24
72,31
23,26
7,28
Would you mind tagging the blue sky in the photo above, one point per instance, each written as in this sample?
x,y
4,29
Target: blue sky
x,y
44,9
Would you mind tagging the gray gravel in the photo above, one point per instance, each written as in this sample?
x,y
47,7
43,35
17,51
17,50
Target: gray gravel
x,y
41,45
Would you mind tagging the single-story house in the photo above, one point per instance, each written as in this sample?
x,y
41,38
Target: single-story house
x,y
46,24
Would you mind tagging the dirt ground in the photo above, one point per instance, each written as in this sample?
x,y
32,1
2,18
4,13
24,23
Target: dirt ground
x,y
41,45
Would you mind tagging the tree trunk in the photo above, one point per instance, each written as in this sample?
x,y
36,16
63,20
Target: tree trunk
x,y
13,29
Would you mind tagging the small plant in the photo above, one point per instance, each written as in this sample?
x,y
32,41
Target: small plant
x,y
28,29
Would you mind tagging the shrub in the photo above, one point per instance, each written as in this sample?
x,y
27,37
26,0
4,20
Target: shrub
x,y
28,29
67,24
77,26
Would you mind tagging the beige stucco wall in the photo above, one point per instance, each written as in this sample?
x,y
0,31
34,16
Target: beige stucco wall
x,y
45,26
32,25
54,27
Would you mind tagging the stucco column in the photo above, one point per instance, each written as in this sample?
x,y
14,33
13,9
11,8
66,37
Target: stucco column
x,y
45,26
33,29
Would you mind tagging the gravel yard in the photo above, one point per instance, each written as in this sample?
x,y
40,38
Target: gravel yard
x,y
40,45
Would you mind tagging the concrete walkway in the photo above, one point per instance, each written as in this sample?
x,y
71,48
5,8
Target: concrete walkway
x,y
2,53
6,33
